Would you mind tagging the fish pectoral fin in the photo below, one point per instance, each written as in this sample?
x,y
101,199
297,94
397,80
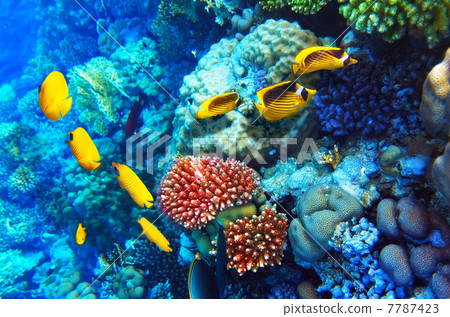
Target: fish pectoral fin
x,y
148,204
65,106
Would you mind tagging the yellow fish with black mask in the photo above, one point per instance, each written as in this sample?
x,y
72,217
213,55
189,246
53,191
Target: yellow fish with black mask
x,y
320,58
219,105
54,99
282,100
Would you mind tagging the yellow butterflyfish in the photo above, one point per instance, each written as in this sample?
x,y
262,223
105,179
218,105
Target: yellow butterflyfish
x,y
219,105
282,100
319,58
54,99
84,149
81,234
135,187
154,235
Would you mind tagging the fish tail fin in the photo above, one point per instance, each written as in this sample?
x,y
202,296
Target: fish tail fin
x,y
201,114
260,108
95,165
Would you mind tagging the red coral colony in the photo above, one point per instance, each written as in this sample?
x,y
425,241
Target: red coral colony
x,y
195,189
256,242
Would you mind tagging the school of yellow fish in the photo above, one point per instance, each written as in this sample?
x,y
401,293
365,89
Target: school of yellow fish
x,y
278,101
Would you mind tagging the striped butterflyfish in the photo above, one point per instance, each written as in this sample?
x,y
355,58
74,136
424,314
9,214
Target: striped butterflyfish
x,y
282,100
320,57
135,187
54,99
84,149
219,105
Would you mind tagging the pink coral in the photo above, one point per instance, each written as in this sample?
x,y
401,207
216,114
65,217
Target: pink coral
x,y
256,242
195,189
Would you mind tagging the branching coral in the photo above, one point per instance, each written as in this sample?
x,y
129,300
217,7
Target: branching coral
x,y
299,6
393,18
256,242
195,189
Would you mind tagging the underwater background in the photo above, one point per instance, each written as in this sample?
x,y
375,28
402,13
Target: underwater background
x,y
346,198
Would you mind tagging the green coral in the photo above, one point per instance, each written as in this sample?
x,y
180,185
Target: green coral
x,y
300,6
99,94
393,18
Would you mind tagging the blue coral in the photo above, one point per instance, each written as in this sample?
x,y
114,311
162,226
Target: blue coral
x,y
373,96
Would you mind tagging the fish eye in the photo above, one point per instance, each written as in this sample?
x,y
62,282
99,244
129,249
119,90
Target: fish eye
x,y
71,136
116,171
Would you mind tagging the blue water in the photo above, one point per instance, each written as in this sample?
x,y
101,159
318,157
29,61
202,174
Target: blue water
x,y
375,172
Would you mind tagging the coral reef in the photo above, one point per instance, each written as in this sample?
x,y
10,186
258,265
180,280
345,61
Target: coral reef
x,y
441,178
354,242
320,209
435,105
256,242
195,189
231,65
354,99
393,19
98,93
394,261
300,6
223,9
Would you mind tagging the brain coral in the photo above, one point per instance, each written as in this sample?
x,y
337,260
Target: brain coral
x,y
387,215
435,105
394,18
394,261
236,66
413,218
195,189
320,209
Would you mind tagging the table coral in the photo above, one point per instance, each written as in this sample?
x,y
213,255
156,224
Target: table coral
x,y
256,242
394,18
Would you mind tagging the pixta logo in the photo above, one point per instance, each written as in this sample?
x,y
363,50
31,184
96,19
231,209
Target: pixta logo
x,y
147,144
